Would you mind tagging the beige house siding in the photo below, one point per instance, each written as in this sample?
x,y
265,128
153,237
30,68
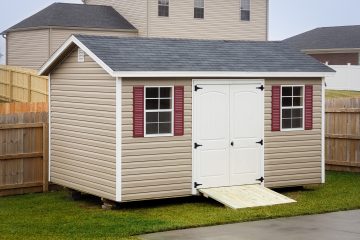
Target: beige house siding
x,y
222,21
83,142
135,11
59,36
29,49
293,158
157,167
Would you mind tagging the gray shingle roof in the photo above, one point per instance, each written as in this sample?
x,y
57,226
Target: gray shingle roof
x,y
327,38
156,54
75,15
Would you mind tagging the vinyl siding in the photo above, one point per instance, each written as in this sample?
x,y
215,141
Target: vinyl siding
x,y
293,158
83,142
220,22
59,36
135,11
156,167
29,49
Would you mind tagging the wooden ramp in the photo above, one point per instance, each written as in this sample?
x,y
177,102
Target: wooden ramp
x,y
246,196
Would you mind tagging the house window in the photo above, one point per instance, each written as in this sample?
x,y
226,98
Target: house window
x,y
163,8
158,111
292,107
245,10
199,8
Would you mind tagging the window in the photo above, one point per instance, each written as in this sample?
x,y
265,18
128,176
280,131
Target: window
x,y
292,107
158,110
163,8
245,10
199,8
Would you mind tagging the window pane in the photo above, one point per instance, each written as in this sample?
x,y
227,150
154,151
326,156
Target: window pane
x,y
286,113
165,104
198,13
164,2
287,102
152,104
163,11
152,92
245,4
152,128
165,117
165,92
199,4
165,128
297,91
245,15
297,101
287,91
286,123
152,117
296,113
297,123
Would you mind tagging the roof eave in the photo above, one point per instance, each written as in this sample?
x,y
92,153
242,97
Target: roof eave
x,y
331,50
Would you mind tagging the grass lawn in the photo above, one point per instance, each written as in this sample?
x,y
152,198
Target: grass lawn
x,y
55,216
342,94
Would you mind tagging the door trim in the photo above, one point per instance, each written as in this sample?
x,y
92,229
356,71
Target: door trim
x,y
222,82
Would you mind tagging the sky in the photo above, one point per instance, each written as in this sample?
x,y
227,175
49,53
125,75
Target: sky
x,y
287,17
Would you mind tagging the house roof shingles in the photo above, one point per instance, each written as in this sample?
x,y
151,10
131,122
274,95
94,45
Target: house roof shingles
x,y
157,54
75,15
342,37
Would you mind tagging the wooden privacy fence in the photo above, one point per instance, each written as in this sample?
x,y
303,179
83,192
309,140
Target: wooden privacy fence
x,y
23,153
22,85
343,134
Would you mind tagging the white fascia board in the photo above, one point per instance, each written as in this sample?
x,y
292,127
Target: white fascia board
x,y
331,50
68,42
221,74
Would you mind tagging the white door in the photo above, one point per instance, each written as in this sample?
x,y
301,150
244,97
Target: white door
x,y
228,129
211,128
246,134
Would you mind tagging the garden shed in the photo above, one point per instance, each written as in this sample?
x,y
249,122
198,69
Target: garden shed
x,y
148,118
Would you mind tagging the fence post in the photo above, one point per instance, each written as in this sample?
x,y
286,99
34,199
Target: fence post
x,y
29,87
45,157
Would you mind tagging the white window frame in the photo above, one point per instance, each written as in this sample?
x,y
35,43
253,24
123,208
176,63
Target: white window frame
x,y
158,5
202,8
160,110
303,109
241,8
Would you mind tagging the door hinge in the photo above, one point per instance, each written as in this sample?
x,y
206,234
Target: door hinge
x,y
197,88
261,142
196,145
197,184
260,179
261,88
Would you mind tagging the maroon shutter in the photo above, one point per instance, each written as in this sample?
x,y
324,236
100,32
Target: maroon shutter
x,y
138,111
308,107
179,110
275,108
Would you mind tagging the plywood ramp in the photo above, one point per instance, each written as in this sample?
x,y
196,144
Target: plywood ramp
x,y
246,196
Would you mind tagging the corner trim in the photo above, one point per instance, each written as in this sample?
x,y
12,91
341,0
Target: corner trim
x,y
49,125
118,139
323,164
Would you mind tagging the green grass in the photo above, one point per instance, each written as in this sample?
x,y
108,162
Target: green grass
x,y
55,216
342,94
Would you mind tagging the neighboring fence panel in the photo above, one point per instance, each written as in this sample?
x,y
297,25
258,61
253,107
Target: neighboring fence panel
x,y
22,85
23,153
343,134
346,78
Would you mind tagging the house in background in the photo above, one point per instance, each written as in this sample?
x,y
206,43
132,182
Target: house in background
x,y
338,47
32,41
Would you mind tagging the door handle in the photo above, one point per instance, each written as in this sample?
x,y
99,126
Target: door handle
x,y
232,143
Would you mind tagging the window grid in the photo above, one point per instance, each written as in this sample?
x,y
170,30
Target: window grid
x,y
160,113
199,9
294,117
245,10
163,8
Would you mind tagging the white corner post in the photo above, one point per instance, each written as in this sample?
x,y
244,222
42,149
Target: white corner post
x,y
323,122
118,137
49,125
